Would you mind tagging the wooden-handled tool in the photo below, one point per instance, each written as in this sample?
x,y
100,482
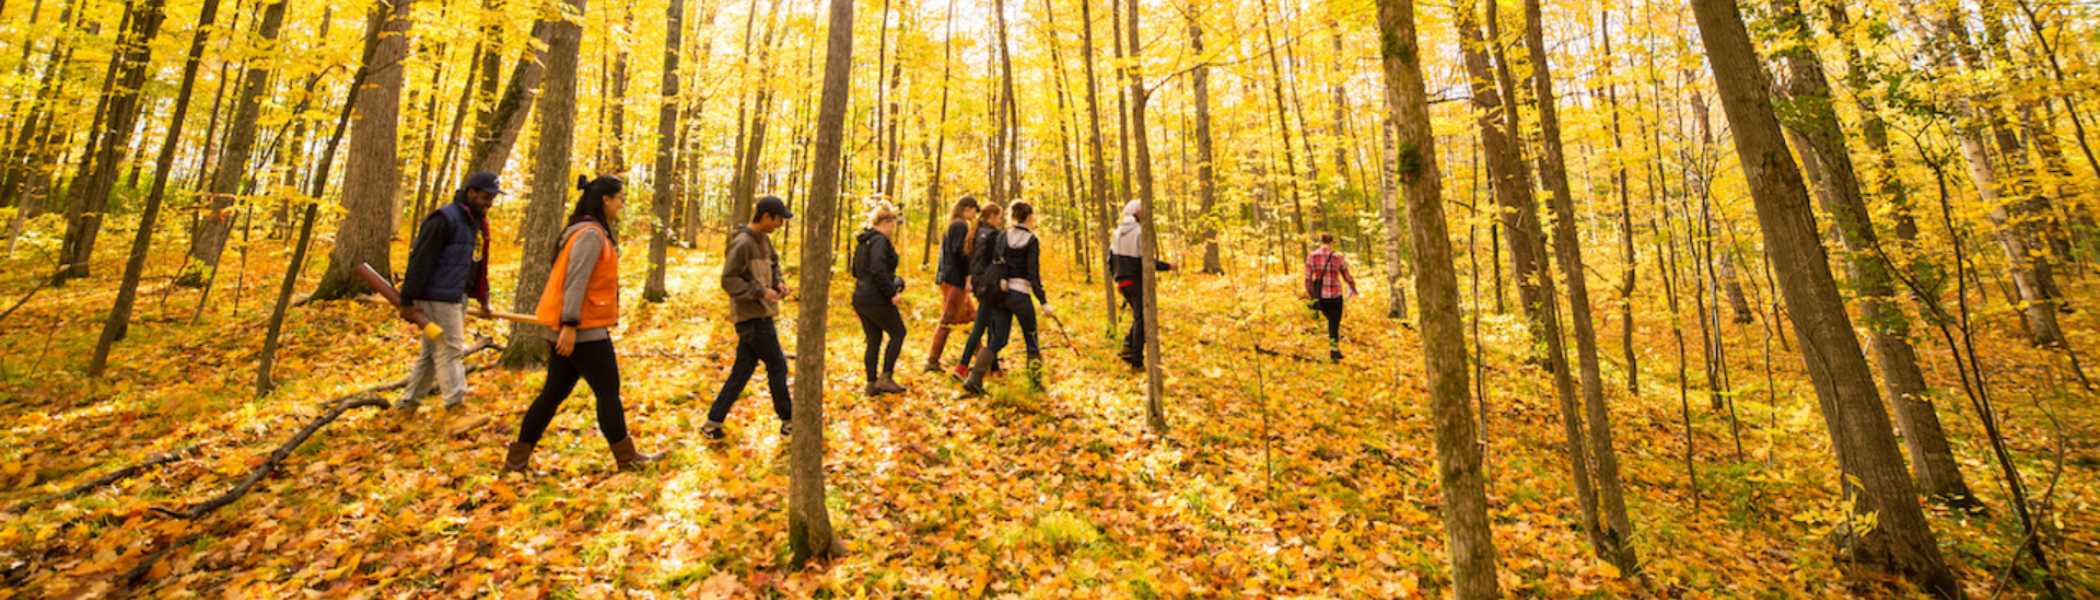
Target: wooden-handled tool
x,y
392,297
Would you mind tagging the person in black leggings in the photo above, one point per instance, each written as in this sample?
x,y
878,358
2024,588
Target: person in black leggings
x,y
875,294
1325,270
579,307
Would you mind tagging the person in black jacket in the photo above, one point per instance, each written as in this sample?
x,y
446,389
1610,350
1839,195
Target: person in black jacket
x,y
953,275
447,263
989,221
1023,253
1126,263
876,291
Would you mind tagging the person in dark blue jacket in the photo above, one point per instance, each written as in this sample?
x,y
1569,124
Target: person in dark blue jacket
x,y
876,291
447,264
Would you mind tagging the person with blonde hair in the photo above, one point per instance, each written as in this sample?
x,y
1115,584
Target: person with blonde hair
x,y
876,292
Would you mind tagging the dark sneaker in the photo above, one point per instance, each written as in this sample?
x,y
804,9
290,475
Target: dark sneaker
x,y
1334,355
712,432
787,429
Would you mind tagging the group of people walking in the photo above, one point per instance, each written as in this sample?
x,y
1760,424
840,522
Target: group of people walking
x,y
989,277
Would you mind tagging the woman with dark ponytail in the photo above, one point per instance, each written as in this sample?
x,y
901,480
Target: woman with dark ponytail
x,y
581,304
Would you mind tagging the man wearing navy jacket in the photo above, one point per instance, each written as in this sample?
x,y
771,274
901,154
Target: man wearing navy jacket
x,y
448,263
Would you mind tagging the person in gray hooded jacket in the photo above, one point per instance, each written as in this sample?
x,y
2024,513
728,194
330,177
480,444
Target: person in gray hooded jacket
x,y
1022,252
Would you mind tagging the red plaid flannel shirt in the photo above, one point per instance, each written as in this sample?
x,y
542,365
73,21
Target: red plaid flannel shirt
x,y
1324,273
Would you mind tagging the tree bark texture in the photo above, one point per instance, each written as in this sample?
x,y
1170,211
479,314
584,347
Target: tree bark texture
x,y
810,533
1613,539
114,328
666,172
1816,122
1466,536
1902,539
552,181
372,171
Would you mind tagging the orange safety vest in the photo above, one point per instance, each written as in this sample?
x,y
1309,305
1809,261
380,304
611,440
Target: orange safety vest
x,y
601,295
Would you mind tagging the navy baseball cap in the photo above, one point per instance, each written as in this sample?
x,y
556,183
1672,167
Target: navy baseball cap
x,y
484,181
772,205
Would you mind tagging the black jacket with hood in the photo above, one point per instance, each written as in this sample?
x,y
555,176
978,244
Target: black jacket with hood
x,y
874,269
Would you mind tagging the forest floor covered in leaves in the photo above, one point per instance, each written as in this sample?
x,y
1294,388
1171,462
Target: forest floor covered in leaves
x,y
1282,475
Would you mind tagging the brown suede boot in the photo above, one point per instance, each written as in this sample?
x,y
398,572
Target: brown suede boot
x,y
519,458
887,385
630,460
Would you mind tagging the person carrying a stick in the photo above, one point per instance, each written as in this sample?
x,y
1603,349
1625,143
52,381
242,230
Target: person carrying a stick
x,y
1010,275
579,308
447,264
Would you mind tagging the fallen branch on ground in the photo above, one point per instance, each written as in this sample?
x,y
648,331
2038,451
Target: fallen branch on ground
x,y
1257,349
112,477
146,566
336,409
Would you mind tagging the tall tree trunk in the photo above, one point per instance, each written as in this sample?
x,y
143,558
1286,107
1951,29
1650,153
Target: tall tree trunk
x,y
940,145
372,171
809,521
1511,180
119,321
552,180
616,144
1098,165
1155,384
1628,273
1467,539
1815,120
745,187
1613,539
2006,194
1206,157
265,380
91,188
666,172
1859,427
1396,225
497,134
1283,128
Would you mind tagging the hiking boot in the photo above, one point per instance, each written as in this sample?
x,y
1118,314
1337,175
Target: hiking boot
x,y
887,385
518,458
628,459
713,431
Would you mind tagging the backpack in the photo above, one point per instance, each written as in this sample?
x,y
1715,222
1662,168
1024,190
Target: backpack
x,y
988,270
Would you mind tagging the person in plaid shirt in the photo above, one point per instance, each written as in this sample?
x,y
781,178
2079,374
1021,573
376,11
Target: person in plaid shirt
x,y
1325,271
